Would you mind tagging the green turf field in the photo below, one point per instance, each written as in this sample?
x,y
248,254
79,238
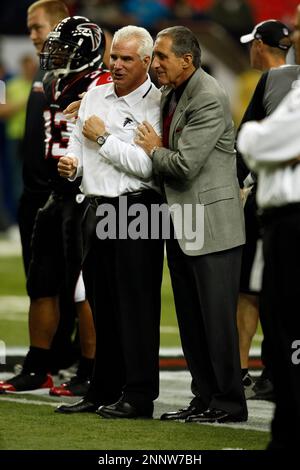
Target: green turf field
x,y
34,425
38,427
14,307
13,311
12,280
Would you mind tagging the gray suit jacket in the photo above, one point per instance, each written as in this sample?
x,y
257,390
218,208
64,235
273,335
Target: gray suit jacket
x,y
199,168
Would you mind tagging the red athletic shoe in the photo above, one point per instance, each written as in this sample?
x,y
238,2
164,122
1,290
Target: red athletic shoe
x,y
76,387
25,382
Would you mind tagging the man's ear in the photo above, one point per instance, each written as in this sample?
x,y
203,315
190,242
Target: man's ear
x,y
260,44
187,60
147,60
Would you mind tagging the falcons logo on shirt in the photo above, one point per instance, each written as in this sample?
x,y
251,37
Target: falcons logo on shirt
x,y
127,121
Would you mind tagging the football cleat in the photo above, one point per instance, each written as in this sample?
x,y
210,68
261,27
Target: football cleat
x,y
76,387
26,382
263,390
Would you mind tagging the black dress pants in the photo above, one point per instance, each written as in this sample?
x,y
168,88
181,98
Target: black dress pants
x,y
205,292
123,280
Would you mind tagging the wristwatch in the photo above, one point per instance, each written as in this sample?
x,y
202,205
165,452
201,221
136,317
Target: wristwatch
x,y
152,151
102,139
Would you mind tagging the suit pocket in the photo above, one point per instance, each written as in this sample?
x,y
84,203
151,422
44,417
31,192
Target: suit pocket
x,y
217,207
216,194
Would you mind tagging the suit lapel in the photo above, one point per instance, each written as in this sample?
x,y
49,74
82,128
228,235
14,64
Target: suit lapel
x,y
181,105
180,108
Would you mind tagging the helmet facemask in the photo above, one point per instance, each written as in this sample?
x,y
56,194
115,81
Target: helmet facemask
x,y
72,47
59,56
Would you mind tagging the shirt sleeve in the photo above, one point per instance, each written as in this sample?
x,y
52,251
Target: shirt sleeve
x,y
129,157
276,139
76,141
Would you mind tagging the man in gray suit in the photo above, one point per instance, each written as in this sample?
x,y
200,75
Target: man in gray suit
x,y
195,163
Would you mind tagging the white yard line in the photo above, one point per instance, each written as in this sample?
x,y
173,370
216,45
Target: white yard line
x,y
14,308
169,329
26,401
10,248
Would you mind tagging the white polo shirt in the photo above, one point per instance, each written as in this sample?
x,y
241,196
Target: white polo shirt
x,y
119,166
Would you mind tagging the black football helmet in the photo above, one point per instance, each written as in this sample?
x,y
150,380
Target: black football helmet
x,y
74,45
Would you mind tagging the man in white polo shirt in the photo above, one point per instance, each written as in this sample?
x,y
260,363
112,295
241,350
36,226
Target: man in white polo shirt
x,y
122,273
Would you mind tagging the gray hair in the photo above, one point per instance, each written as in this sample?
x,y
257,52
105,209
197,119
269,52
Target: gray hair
x,y
183,42
135,32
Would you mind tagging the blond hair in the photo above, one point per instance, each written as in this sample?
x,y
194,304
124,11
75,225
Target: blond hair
x,y
54,9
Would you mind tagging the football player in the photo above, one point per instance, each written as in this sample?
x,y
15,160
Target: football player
x,y
72,56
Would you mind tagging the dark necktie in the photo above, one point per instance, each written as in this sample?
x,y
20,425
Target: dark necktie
x,y
167,118
168,113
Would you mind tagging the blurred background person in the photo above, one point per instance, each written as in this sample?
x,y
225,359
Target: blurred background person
x,y
269,43
72,56
17,92
271,148
236,16
42,16
5,220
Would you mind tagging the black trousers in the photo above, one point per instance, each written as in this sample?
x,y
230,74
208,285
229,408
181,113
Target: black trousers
x,y
123,280
280,306
28,208
205,293
57,247
63,351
